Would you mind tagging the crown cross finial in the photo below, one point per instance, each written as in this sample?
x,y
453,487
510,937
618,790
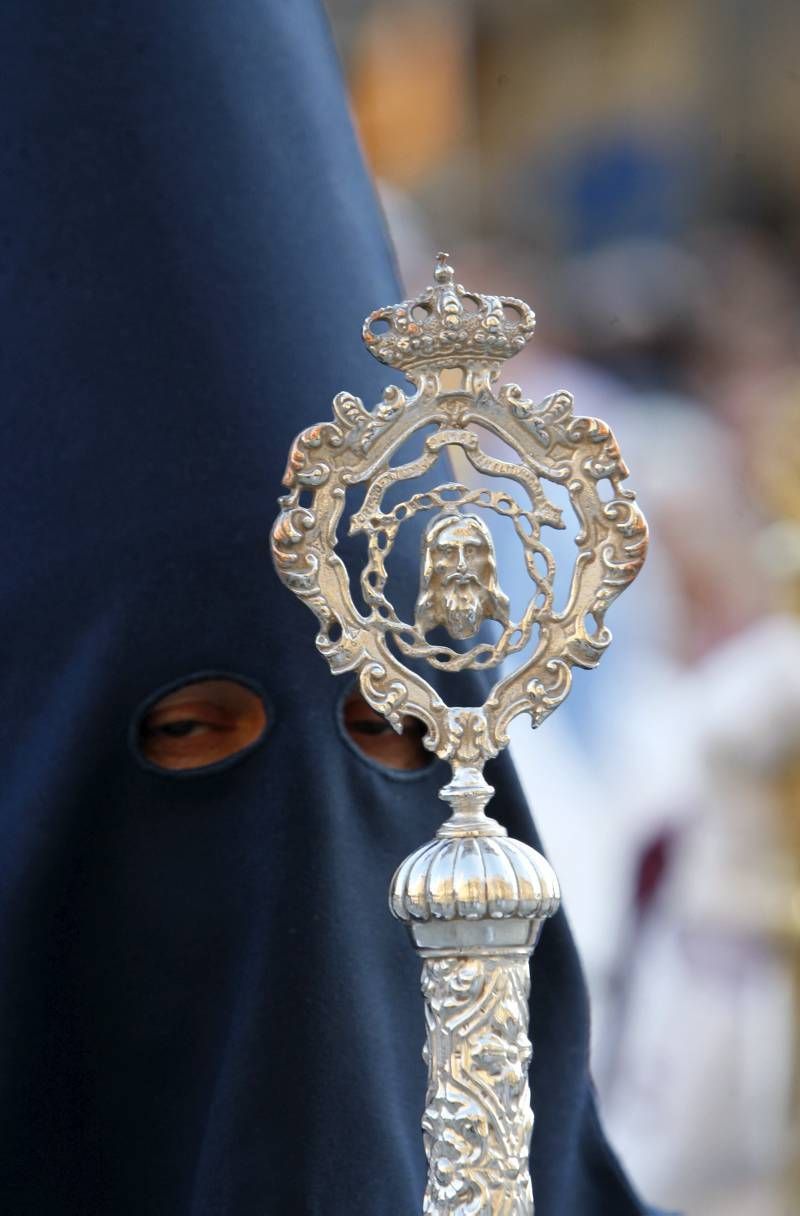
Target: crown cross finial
x,y
443,272
446,323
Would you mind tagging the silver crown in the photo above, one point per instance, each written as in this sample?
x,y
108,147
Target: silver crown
x,y
445,323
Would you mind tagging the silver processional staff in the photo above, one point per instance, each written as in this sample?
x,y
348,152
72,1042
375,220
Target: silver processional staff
x,y
473,899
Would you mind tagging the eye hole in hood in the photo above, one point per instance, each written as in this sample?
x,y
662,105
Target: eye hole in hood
x,y
199,724
374,739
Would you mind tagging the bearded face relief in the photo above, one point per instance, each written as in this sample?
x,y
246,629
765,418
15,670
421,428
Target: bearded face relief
x,y
459,587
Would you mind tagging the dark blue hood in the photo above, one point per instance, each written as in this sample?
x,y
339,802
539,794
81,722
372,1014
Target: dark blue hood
x,y
205,1007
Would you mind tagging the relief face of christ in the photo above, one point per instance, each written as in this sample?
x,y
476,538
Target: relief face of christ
x,y
458,584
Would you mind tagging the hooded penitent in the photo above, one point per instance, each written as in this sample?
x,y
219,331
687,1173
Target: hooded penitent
x,y
205,1007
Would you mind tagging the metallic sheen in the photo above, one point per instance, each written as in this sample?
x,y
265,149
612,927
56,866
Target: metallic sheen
x,y
474,900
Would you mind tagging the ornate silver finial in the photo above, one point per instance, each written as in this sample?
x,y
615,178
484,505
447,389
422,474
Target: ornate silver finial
x,y
473,899
442,271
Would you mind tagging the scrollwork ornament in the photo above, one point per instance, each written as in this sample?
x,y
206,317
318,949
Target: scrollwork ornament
x,y
474,909
553,445
478,1121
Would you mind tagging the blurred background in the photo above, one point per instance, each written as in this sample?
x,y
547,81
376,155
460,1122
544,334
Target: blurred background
x,y
631,168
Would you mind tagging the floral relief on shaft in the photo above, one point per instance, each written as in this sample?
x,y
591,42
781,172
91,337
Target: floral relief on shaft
x,y
477,1123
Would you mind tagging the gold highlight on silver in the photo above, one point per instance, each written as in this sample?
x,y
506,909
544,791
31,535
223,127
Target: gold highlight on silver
x,y
473,900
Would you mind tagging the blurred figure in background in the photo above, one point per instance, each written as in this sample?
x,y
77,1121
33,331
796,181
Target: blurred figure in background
x,y
631,170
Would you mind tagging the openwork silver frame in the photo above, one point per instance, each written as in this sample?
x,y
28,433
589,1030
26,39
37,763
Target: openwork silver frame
x,y
553,444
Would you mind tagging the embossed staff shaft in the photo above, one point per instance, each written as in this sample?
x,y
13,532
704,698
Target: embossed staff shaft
x,y
473,899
